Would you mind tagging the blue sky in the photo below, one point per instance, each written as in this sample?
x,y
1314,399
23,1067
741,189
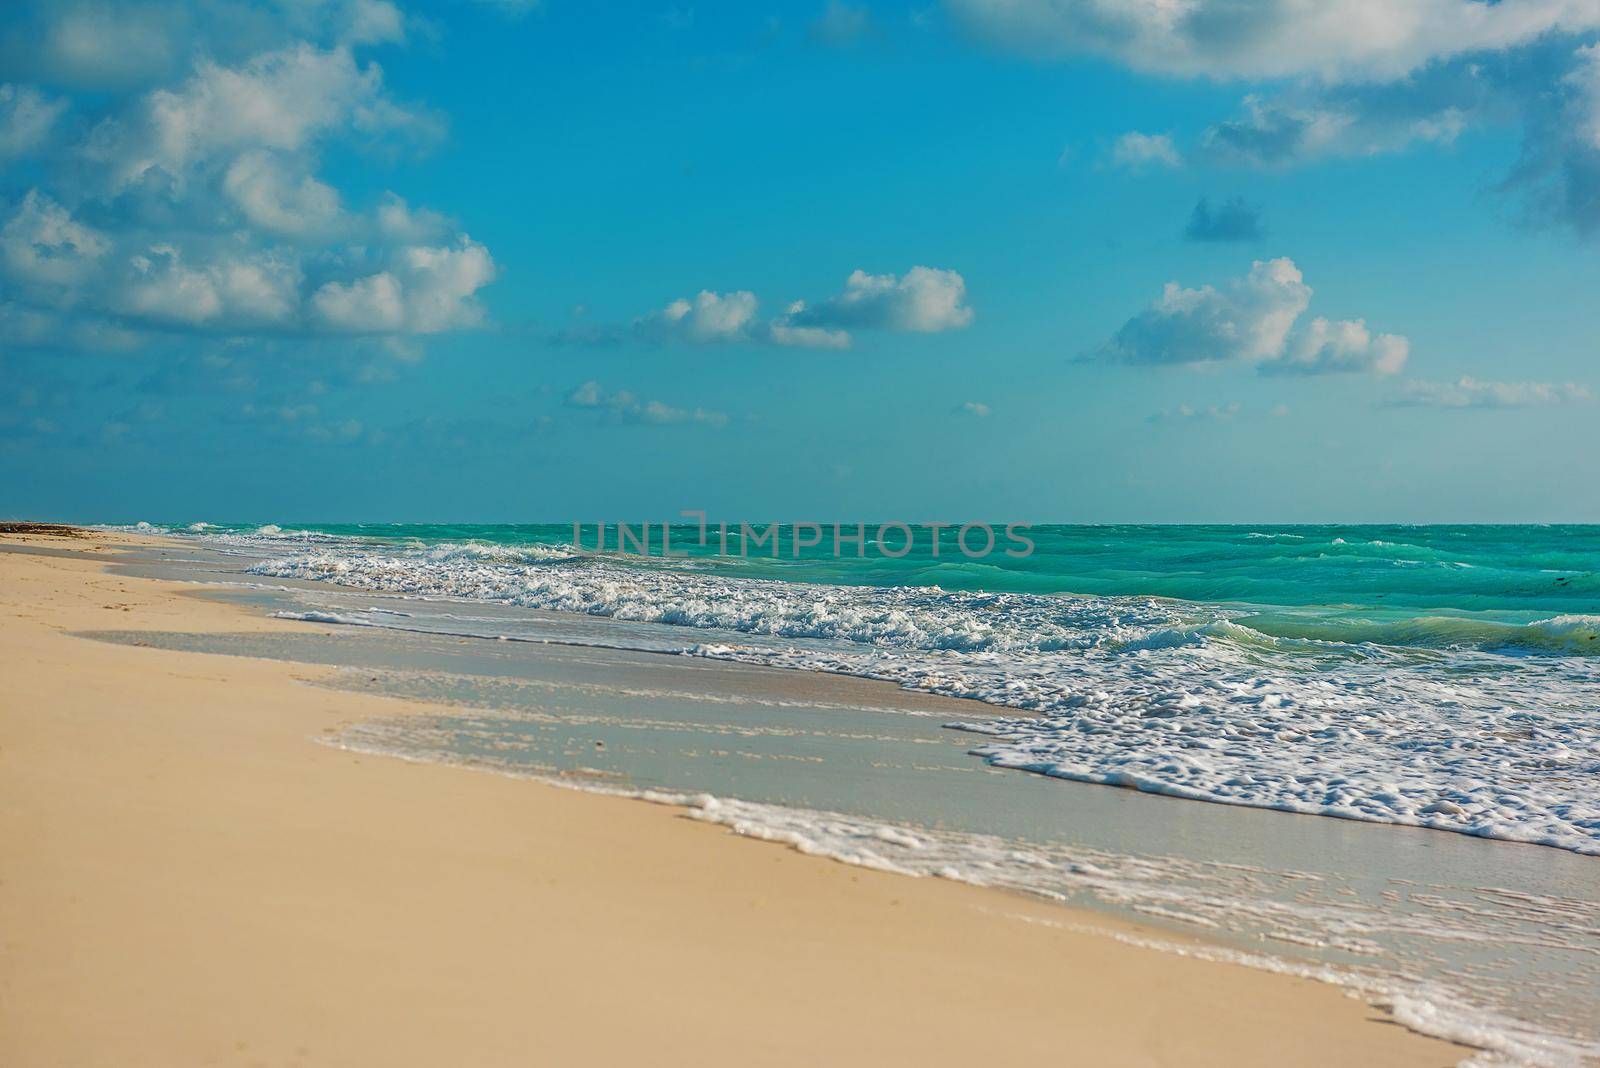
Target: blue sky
x,y
1031,260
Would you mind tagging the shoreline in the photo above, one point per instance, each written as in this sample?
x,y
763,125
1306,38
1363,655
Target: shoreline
x,y
193,879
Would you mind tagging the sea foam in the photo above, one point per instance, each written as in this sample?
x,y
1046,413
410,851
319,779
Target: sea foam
x,y
1169,697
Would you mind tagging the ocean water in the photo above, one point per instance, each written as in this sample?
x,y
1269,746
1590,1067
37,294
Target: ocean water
x,y
1443,676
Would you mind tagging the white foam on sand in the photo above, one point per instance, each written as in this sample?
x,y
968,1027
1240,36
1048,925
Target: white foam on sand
x,y
1193,892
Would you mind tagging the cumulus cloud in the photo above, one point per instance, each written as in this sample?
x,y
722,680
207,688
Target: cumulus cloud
x,y
1549,88
1136,151
1468,392
1300,126
1334,40
1251,320
1272,134
627,407
806,337
709,317
924,300
274,198
1248,319
43,244
26,116
244,292
370,22
398,221
973,408
1326,347
1354,78
1232,220
426,291
69,269
209,216
280,100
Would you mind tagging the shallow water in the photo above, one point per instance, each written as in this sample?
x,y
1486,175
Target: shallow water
x,y
1444,677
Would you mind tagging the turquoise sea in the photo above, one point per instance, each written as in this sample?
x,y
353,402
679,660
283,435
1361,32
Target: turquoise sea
x,y
1408,585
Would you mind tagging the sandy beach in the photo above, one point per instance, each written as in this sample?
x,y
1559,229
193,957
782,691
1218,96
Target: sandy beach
x,y
190,878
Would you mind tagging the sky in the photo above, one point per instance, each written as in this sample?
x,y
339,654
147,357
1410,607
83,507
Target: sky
x,y
1005,260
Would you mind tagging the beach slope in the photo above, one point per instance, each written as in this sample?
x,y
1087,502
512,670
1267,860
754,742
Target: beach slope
x,y
189,878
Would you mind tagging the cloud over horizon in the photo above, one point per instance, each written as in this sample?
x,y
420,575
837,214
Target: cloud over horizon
x,y
925,300
627,407
1468,392
1251,320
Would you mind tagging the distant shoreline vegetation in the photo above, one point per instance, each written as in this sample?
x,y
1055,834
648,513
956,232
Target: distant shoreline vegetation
x,y
974,541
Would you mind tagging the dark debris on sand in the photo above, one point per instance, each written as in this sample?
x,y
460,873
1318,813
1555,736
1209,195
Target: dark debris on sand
x,y
55,530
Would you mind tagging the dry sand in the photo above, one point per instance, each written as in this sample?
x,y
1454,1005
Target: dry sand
x,y
188,878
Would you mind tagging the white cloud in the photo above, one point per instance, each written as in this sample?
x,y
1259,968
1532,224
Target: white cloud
x,y
709,317
628,407
398,221
974,408
280,100
1470,392
43,243
440,284
1584,82
1363,121
372,22
924,300
1137,150
1333,40
371,305
1271,133
1248,319
1355,77
56,260
1325,347
210,216
26,116
276,101
1251,320
427,291
808,337
250,291
271,197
